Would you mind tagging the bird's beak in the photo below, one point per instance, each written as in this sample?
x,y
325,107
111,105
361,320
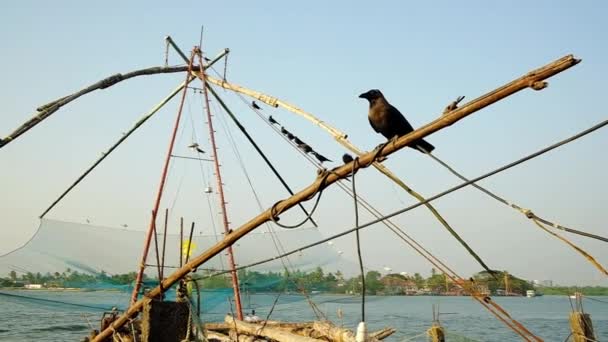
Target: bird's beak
x,y
364,95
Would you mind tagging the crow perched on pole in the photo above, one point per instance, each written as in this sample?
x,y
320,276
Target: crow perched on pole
x,y
321,158
388,121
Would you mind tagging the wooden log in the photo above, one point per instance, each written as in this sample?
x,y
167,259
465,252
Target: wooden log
x,y
216,336
217,326
382,333
334,333
289,325
345,170
240,337
267,332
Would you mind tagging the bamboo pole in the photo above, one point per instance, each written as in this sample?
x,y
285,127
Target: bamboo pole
x,y
341,138
48,109
139,122
382,333
529,80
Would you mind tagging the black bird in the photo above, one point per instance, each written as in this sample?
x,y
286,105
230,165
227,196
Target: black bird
x,y
207,59
290,136
320,157
305,148
297,140
255,105
388,121
347,158
196,148
272,120
284,131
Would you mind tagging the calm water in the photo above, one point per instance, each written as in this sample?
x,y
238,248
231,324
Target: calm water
x,y
547,316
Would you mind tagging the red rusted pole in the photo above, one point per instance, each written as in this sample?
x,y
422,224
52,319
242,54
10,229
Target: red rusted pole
x,y
161,186
220,188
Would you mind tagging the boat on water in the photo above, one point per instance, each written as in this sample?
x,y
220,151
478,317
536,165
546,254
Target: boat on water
x,y
151,314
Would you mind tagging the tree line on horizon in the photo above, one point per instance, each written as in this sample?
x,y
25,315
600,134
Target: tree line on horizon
x,y
316,280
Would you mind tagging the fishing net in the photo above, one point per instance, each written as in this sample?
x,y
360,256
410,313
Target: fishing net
x,y
85,259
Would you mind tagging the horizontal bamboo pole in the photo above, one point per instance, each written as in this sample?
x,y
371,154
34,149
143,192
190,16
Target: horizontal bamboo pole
x,y
531,79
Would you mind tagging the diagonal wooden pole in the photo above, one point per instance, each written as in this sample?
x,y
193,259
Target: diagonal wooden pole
x,y
533,79
341,138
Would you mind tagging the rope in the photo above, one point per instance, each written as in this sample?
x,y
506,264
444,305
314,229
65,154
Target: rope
x,y
256,147
275,239
319,191
460,337
236,330
53,301
355,166
270,312
597,300
411,338
448,191
189,329
528,213
577,248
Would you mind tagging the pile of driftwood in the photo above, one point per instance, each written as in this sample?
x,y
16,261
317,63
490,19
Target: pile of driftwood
x,y
235,330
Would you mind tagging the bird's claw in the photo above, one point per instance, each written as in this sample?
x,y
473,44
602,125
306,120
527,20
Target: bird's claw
x,y
453,105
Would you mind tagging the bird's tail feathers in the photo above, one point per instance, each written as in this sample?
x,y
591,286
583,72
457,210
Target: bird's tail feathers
x,y
424,145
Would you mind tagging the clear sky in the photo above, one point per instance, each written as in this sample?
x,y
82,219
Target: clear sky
x,y
318,55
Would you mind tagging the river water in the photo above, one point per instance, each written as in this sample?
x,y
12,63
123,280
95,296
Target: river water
x,y
464,319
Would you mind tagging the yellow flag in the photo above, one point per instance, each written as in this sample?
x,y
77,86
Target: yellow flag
x,y
185,250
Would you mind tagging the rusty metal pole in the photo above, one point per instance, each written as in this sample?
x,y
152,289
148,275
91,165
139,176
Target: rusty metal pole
x,y
220,189
159,195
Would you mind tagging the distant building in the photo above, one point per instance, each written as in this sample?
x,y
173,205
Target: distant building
x,y
398,285
543,283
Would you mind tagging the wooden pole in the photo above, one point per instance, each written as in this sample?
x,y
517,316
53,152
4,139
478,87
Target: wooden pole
x,y
48,109
257,148
159,193
222,199
341,138
140,122
529,80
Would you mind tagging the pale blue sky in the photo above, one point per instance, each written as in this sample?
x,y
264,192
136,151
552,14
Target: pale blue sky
x,y
320,55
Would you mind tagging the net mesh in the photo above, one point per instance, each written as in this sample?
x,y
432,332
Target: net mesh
x,y
68,256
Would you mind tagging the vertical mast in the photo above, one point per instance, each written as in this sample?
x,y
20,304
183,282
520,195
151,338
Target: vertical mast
x,y
220,188
161,186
